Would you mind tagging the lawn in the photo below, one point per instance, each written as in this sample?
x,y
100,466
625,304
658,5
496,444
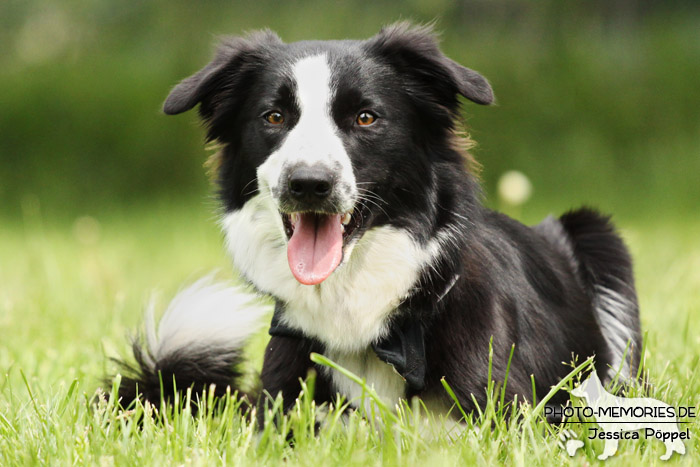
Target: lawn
x,y
72,290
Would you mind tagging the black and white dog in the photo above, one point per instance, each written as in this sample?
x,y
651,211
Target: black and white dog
x,y
347,199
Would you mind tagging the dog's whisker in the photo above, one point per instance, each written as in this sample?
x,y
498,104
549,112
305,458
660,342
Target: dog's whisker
x,y
368,200
372,194
254,180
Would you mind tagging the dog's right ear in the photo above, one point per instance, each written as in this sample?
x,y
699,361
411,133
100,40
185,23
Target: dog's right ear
x,y
222,72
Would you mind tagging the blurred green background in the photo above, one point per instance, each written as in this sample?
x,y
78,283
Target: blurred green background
x,y
598,101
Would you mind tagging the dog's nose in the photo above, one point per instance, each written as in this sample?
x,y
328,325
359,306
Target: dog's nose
x,y
310,183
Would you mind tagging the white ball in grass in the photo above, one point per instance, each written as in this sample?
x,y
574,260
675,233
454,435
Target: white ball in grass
x,y
514,188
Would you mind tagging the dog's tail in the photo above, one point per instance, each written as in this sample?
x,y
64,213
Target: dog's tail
x,y
605,266
198,343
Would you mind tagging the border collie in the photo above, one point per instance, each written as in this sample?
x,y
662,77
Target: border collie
x,y
347,197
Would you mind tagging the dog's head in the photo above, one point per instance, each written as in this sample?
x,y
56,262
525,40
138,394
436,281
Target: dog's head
x,y
335,137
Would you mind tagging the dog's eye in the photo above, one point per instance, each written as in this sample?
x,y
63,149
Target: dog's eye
x,y
275,118
366,118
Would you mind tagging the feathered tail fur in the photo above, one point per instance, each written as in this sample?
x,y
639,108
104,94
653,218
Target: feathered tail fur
x,y
198,343
606,267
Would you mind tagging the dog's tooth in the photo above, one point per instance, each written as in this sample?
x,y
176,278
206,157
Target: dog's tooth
x,y
295,217
346,218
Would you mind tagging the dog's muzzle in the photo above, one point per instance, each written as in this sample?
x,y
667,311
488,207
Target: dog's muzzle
x,y
317,219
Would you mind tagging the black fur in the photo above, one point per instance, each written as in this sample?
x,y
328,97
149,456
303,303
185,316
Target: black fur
x,y
493,279
153,380
286,364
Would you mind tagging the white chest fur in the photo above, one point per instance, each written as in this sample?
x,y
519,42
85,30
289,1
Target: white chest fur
x,y
347,311
378,375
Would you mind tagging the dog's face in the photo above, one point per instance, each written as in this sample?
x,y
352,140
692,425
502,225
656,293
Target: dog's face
x,y
334,137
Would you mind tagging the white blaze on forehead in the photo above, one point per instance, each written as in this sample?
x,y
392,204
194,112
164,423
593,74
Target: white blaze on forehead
x,y
314,139
314,93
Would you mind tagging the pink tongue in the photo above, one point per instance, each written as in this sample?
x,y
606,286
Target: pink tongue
x,y
316,247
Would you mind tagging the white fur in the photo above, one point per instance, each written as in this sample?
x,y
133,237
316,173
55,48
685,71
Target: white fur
x,y
314,139
205,314
386,382
347,311
612,309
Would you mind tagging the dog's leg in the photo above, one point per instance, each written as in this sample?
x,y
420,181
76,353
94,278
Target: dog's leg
x,y
285,365
609,449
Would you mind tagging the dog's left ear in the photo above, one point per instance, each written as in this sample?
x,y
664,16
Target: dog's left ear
x,y
415,50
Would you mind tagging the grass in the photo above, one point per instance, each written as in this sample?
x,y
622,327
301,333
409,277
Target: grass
x,y
71,291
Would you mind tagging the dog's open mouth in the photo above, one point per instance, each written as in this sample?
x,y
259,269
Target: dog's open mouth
x,y
316,242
